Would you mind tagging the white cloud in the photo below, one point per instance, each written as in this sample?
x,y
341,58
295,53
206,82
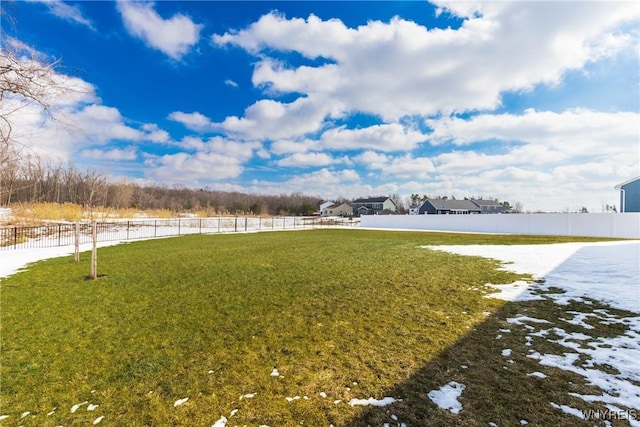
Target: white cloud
x,y
66,11
192,169
547,160
301,160
286,146
202,161
325,183
269,119
194,121
401,68
231,83
398,167
574,132
385,137
102,124
128,153
174,36
154,134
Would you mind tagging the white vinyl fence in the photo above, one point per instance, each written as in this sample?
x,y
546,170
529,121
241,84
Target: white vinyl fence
x,y
615,225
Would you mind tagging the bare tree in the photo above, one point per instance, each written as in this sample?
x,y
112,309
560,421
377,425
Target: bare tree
x,y
517,208
29,83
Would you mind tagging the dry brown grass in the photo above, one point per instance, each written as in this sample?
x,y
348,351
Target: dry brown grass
x,y
38,213
33,214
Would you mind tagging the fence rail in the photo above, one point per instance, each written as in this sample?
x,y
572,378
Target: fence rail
x,y
64,234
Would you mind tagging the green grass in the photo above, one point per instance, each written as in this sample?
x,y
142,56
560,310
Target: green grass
x,y
349,313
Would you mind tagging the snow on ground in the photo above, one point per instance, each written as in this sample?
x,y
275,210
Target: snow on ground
x,y
5,213
385,401
606,271
13,261
447,396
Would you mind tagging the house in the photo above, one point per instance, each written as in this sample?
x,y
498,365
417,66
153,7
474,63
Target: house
x,y
448,206
325,205
337,210
629,195
374,206
414,210
489,206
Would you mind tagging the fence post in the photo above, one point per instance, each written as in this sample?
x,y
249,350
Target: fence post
x,y
15,237
235,227
178,226
260,224
245,223
218,224
200,225
128,224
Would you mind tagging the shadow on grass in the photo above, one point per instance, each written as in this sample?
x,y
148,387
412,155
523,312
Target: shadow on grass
x,y
495,362
499,387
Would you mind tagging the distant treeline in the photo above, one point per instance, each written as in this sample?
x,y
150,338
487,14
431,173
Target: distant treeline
x,y
69,185
37,184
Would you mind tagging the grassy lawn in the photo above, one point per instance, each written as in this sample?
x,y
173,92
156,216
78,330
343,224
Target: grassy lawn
x,y
243,322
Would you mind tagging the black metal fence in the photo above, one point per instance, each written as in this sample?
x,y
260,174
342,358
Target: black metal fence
x,y
64,234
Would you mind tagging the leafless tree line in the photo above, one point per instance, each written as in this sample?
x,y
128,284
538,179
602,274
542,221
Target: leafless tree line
x,y
35,181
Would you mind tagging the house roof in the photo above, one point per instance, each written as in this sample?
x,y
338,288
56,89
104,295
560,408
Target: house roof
x,y
342,205
487,202
453,205
619,186
371,200
326,204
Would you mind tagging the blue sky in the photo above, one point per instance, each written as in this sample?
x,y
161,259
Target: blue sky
x,y
530,102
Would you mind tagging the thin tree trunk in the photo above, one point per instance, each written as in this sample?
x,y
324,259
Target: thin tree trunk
x,y
76,238
94,251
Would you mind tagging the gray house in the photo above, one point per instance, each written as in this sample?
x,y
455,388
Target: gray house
x,y
448,207
489,206
629,195
374,206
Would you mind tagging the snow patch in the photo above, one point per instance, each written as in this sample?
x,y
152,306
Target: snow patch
x,y
385,401
77,406
447,396
180,401
537,375
568,410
